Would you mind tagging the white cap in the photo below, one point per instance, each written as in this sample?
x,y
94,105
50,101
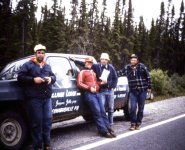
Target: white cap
x,y
39,47
104,56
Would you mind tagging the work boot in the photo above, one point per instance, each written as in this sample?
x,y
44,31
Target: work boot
x,y
47,148
132,127
137,126
112,132
107,135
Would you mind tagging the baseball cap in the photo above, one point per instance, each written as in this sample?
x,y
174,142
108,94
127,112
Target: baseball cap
x,y
133,56
39,47
89,59
104,56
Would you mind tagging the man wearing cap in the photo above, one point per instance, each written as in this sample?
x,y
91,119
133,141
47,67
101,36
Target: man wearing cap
x,y
87,81
139,83
107,89
109,82
37,78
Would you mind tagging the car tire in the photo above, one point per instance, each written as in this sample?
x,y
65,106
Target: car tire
x,y
13,131
88,117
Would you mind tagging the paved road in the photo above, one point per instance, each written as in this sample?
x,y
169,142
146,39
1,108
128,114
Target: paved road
x,y
169,136
166,135
76,133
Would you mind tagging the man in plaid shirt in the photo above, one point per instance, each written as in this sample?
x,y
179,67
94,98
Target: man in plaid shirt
x,y
139,84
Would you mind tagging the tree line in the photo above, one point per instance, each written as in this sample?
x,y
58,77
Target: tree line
x,y
90,31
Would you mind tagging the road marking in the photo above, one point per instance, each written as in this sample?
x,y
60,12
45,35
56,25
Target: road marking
x,y
105,141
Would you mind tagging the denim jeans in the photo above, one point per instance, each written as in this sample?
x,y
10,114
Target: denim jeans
x,y
107,97
40,115
98,111
137,99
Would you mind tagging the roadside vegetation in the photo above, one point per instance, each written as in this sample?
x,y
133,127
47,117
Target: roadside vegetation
x,y
166,86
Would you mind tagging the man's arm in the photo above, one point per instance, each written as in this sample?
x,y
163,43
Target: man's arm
x,y
24,76
114,78
148,78
121,72
80,82
78,62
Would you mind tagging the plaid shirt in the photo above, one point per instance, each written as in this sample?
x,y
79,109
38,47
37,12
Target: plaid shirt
x,y
138,77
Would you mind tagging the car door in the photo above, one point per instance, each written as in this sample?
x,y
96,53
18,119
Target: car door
x,y
66,98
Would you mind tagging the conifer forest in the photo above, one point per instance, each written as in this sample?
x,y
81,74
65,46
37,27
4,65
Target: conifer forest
x,y
89,30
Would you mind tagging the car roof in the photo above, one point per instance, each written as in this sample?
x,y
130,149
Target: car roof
x,y
53,54
78,56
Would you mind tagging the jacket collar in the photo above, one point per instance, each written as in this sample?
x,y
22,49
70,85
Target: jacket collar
x,y
34,60
106,66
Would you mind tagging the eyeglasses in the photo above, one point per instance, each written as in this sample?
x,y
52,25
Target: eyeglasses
x,y
41,53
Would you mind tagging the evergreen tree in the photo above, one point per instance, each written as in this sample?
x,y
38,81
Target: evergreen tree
x,y
83,30
127,33
25,21
160,25
179,63
142,42
6,31
115,38
52,29
73,25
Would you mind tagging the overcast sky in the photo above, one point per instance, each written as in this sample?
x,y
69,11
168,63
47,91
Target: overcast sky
x,y
147,8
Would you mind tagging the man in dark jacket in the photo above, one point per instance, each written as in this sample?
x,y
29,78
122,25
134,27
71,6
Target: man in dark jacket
x,y
102,70
87,81
37,78
106,73
139,83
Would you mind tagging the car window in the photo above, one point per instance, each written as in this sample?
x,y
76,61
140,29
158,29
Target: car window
x,y
62,69
11,70
79,67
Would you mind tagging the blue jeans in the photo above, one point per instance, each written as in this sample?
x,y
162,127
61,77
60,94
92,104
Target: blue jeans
x,y
137,99
98,111
40,115
107,97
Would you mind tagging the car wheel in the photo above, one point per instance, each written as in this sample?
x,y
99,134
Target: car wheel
x,y
13,131
88,117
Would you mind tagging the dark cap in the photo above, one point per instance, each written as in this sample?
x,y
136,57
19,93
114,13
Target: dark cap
x,y
133,56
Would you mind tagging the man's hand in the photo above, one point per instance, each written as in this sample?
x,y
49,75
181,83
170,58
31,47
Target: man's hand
x,y
48,79
103,82
72,58
38,80
149,90
93,90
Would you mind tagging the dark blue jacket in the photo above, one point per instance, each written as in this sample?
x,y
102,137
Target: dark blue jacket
x,y
112,78
28,72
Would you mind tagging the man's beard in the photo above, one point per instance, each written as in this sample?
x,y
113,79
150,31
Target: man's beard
x,y
39,59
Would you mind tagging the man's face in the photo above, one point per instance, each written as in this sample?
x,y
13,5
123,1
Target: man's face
x,y
88,65
133,61
40,55
104,61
